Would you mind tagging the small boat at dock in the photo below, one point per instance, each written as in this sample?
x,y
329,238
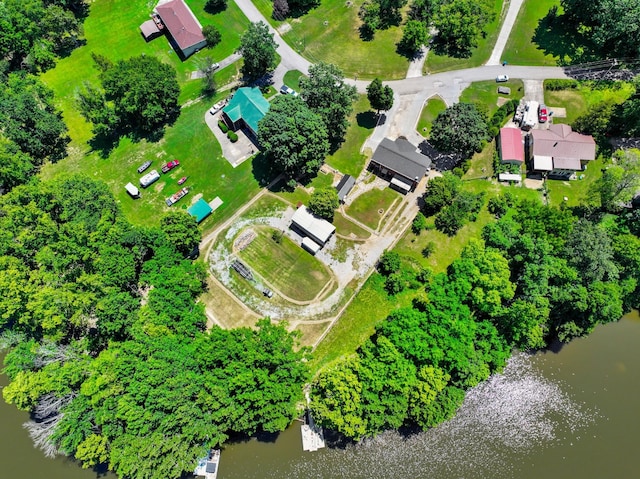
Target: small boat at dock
x,y
208,466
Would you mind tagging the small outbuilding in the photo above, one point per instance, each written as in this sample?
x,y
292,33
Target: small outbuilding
x,y
400,162
310,245
132,190
182,26
200,210
150,30
344,187
318,229
510,178
245,110
511,146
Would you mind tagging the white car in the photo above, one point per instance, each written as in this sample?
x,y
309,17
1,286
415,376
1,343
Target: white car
x,y
217,107
502,78
285,90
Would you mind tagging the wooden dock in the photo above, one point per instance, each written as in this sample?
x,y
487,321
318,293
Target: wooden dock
x,y
312,436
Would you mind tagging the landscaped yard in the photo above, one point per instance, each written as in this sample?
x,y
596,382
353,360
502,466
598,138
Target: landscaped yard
x,y
430,111
522,48
438,63
292,79
370,207
285,265
348,159
347,228
486,93
330,33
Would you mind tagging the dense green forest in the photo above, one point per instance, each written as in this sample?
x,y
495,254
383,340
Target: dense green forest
x,y
540,274
109,350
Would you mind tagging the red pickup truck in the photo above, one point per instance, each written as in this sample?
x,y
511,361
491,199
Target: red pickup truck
x,y
170,166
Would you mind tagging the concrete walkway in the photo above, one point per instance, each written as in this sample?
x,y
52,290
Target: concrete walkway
x,y
415,67
505,31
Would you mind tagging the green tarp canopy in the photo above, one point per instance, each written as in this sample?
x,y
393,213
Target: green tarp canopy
x,y
200,210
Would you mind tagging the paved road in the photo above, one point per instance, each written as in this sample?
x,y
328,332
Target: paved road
x,y
505,30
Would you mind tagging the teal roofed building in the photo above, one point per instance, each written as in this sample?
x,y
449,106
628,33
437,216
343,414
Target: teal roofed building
x,y
245,110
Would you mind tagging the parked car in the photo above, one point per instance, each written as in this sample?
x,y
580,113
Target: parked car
x,y
502,78
217,107
285,90
543,114
170,166
144,166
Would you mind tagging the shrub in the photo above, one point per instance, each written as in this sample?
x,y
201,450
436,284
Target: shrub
x,y
389,263
223,126
557,84
428,250
419,223
233,137
394,284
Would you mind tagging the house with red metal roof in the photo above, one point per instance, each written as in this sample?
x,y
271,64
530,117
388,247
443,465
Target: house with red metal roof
x,y
182,27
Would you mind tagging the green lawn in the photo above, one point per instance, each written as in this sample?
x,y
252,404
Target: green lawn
x,y
285,265
191,142
576,191
301,194
347,228
430,111
370,207
292,79
521,48
348,159
357,323
486,93
577,101
480,54
330,33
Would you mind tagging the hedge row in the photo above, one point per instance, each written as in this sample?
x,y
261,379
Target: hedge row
x,y
555,85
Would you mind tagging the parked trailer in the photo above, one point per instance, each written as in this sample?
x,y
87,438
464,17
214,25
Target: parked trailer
x,y
530,119
176,196
132,190
149,178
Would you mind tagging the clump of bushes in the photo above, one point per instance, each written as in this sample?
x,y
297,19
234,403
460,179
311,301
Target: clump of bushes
x,y
558,84
232,135
223,127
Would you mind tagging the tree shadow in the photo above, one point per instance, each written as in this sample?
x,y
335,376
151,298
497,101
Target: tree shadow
x,y
214,9
262,169
368,119
366,33
558,37
443,48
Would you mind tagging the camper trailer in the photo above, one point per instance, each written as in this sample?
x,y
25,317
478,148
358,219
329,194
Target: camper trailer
x,y
530,119
149,178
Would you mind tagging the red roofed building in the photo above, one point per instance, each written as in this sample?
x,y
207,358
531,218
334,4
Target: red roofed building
x,y
510,146
560,151
182,26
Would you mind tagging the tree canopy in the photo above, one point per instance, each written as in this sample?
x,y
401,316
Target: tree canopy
x,y
258,51
460,128
380,97
324,202
326,94
293,136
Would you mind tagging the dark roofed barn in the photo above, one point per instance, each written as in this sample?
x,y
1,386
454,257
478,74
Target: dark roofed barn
x,y
400,162
344,187
182,25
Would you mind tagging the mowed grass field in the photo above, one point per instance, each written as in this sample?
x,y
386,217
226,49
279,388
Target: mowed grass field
x,y
521,48
486,93
285,265
479,55
330,33
348,159
430,111
370,207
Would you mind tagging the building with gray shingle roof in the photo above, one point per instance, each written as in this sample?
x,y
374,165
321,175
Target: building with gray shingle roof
x,y
400,162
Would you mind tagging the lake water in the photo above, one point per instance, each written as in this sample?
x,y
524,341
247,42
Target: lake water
x,y
571,413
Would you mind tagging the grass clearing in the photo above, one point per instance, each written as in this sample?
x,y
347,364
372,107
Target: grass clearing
x,y
330,33
292,79
486,93
439,63
434,106
521,48
285,265
370,207
371,305
310,332
227,310
348,159
349,229
301,194
576,191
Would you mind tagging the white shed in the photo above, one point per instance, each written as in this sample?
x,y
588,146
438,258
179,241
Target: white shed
x,y
310,245
132,190
316,228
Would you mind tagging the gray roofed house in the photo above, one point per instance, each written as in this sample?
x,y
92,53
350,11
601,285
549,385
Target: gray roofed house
x,y
344,186
400,162
569,151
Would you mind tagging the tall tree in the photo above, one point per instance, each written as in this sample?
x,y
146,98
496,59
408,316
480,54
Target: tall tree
x,y
293,136
460,128
326,94
258,50
620,181
460,24
380,97
323,203
414,36
182,230
144,92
